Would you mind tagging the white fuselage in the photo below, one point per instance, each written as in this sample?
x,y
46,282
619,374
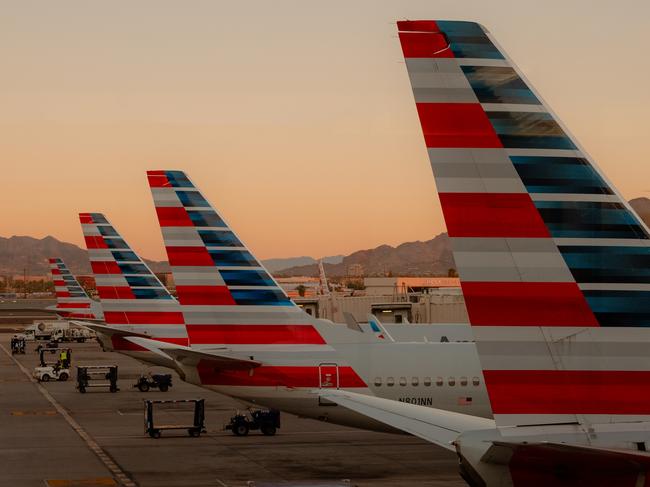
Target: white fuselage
x,y
443,375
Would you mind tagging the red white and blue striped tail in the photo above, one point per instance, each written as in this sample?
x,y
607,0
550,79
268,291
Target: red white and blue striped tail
x,y
72,301
132,297
227,296
554,264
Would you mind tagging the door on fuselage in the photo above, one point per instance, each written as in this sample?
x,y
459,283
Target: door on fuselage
x,y
328,378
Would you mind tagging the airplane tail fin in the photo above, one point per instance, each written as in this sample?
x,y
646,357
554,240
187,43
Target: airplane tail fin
x,y
554,264
72,301
227,295
132,296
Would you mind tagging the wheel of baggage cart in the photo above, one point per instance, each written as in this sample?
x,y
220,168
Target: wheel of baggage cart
x,y
268,429
240,429
45,378
82,390
63,376
154,433
113,389
143,386
164,388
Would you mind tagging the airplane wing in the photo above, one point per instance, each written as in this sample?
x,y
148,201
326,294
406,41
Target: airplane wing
x,y
188,356
108,330
434,425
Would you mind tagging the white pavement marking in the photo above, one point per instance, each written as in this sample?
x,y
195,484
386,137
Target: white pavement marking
x,y
117,472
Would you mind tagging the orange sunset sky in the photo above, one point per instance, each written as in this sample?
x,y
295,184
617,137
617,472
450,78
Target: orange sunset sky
x,y
295,118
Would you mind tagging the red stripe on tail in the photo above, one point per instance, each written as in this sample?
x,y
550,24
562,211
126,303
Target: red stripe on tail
x,y
568,391
189,256
456,125
105,267
526,304
144,318
204,295
95,242
172,216
424,45
157,179
115,292
492,215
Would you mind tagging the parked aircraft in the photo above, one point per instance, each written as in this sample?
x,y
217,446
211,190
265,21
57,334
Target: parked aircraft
x,y
554,269
72,301
234,330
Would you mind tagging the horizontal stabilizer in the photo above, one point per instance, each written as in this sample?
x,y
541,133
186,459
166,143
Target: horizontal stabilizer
x,y
188,356
584,465
434,425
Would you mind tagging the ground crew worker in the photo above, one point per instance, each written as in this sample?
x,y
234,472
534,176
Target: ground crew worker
x,y
63,358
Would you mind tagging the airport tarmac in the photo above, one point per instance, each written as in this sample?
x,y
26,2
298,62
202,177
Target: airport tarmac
x,y
50,434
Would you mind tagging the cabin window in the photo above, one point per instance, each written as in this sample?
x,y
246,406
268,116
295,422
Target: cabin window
x,y
451,381
402,381
390,381
439,381
476,381
427,381
378,381
415,381
463,381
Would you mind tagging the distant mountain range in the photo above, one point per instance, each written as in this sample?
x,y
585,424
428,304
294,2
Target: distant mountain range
x,y
31,254
429,258
275,265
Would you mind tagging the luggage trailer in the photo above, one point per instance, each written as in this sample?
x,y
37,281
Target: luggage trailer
x,y
97,376
195,429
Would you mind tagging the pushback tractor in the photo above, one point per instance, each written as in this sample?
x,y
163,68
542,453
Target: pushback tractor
x,y
265,420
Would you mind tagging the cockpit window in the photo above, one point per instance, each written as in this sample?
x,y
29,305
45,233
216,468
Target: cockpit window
x,y
378,381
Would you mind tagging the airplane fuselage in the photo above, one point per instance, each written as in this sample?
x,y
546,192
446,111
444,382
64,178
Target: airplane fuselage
x,y
443,375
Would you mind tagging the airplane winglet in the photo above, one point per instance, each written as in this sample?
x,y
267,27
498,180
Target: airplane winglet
x,y
378,328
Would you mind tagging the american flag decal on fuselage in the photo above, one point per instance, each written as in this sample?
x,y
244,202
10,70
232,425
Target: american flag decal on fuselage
x,y
553,262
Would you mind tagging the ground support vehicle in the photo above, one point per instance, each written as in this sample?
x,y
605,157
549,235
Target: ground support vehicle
x,y
53,370
265,420
160,381
97,376
43,330
155,430
17,344
79,335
